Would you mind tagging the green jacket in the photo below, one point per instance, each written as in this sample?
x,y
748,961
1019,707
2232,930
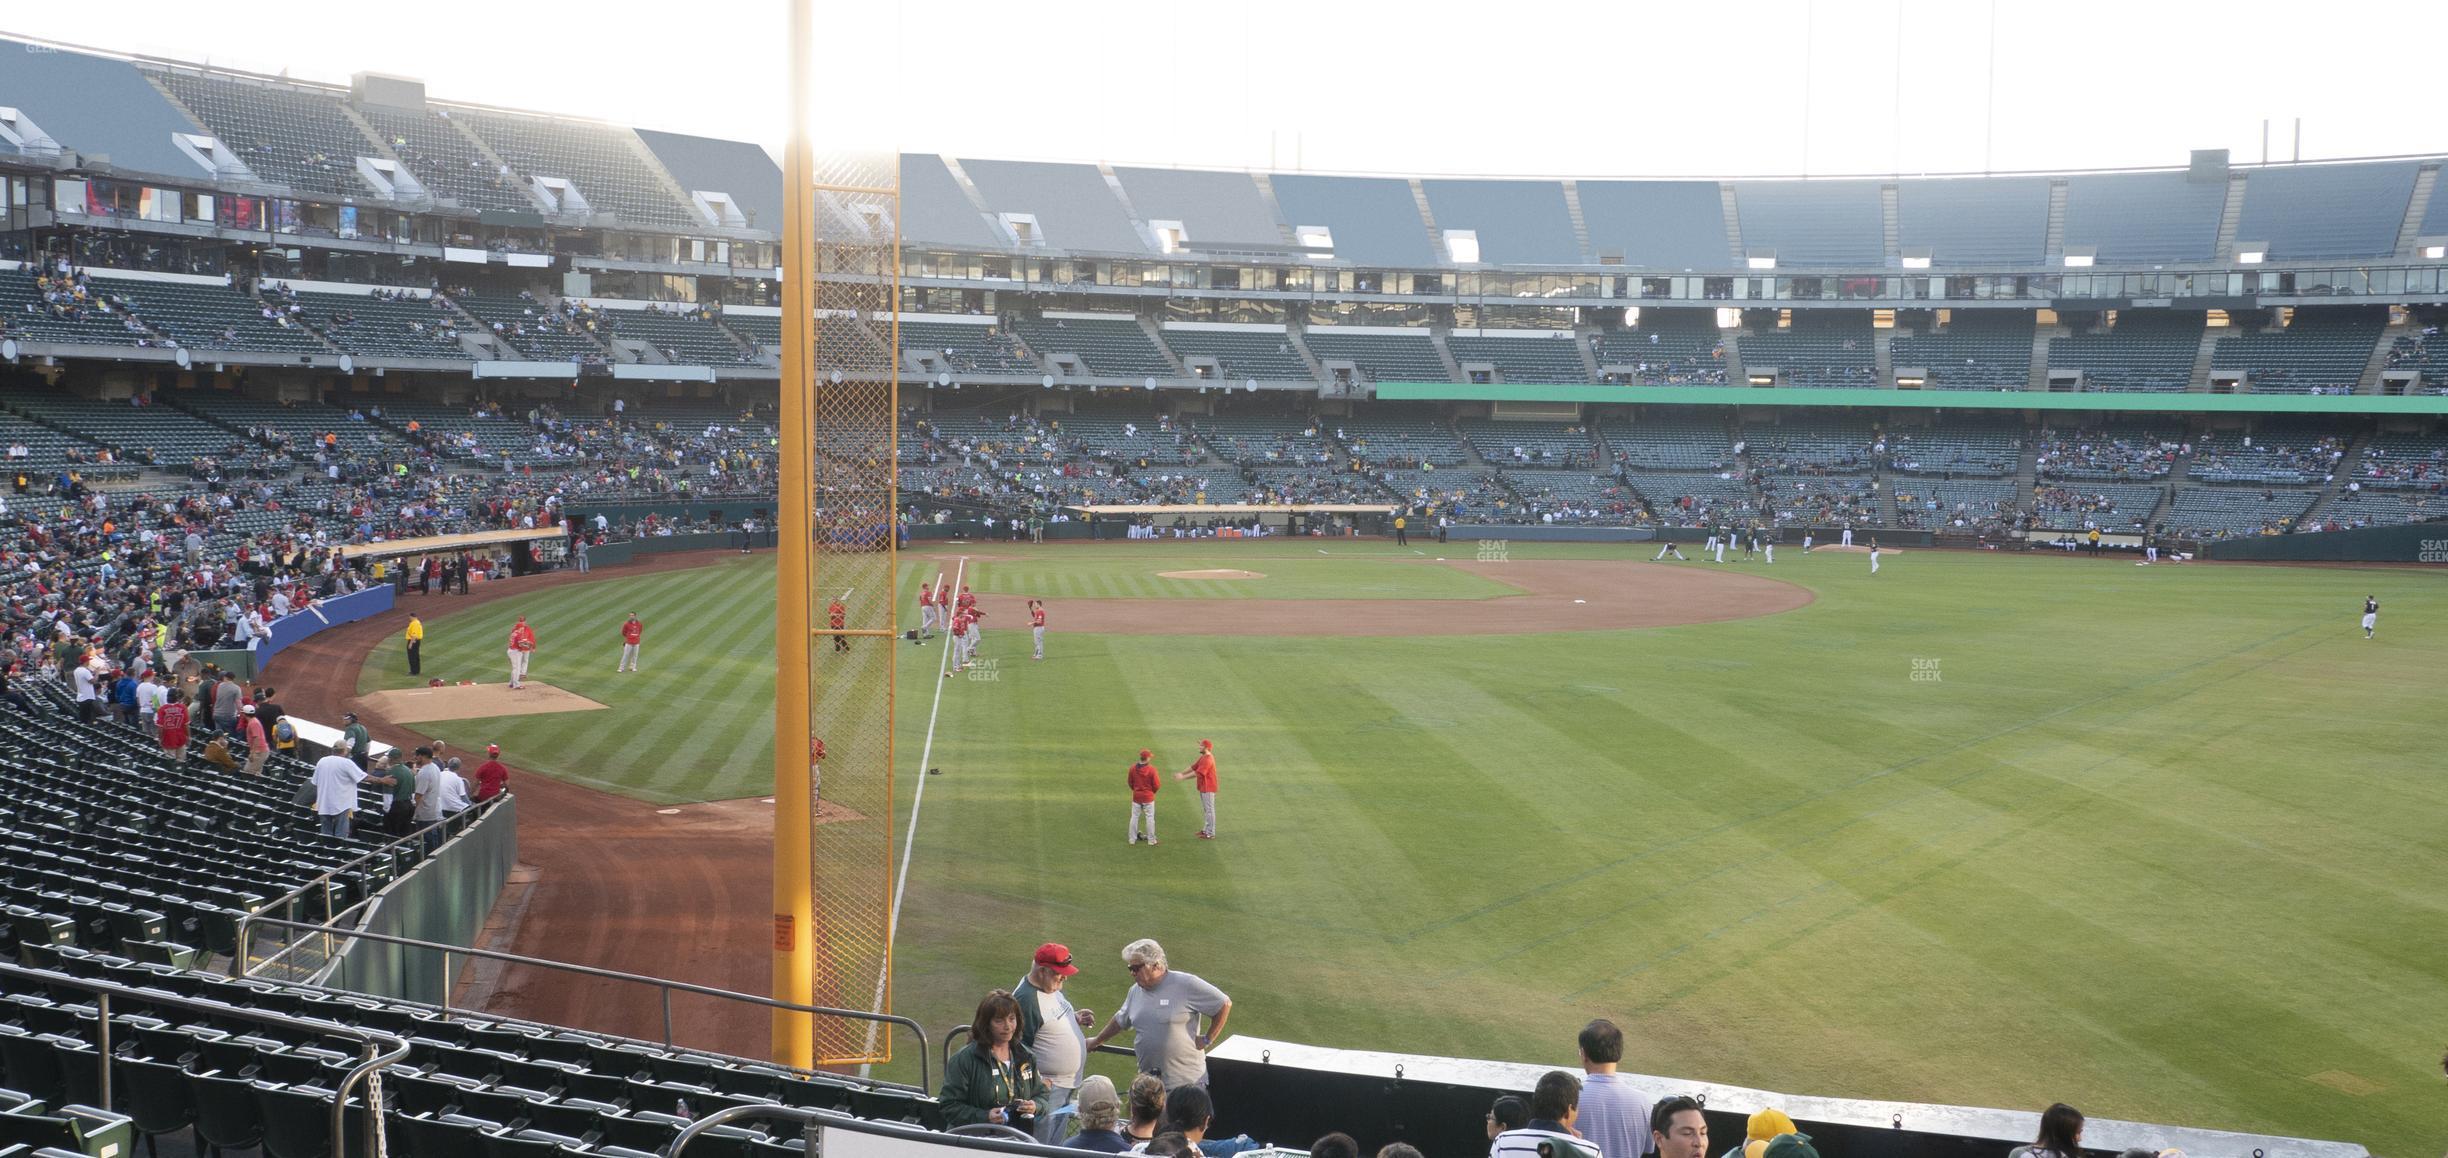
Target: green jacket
x,y
974,1084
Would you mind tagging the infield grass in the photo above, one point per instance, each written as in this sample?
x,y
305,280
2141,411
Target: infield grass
x,y
2161,842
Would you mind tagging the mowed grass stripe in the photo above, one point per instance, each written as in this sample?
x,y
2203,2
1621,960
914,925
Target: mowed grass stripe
x,y
677,658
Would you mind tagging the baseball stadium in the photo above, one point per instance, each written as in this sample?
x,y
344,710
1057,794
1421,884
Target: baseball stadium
x,y
529,635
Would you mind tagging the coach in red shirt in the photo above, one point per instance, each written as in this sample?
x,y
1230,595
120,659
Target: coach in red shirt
x,y
492,777
1143,785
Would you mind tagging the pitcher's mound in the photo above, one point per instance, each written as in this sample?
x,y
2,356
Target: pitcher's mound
x,y
1222,574
476,701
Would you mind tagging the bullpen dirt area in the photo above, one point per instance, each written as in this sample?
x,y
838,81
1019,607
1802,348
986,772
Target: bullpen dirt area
x,y
474,702
1557,595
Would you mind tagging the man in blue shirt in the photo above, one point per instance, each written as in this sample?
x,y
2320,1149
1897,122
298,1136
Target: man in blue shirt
x,y
1613,1114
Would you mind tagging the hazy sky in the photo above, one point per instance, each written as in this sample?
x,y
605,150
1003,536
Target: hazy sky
x,y
1723,87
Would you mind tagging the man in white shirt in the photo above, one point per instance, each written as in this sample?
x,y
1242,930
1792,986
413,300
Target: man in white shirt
x,y
429,797
1050,1031
150,696
88,701
335,782
454,788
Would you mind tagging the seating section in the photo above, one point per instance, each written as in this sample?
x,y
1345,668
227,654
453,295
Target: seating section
x,y
289,136
36,309
1833,444
969,349
1799,500
1668,348
2277,456
604,162
464,435
1243,354
1571,496
1692,500
1313,484
1381,357
2108,506
1530,445
1668,440
2108,453
2210,512
2404,462
2319,352
2424,352
1963,447
530,327
2371,508
1400,438
44,447
1978,350
212,317
1108,347
2146,350
1533,358
139,434
302,424
1254,440
1127,440
1934,505
1466,491
384,327
442,159
688,338
1819,349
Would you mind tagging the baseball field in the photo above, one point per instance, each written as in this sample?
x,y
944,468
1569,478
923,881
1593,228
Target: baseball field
x,y
2163,842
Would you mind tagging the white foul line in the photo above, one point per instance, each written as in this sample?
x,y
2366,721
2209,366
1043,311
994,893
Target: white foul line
x,y
926,752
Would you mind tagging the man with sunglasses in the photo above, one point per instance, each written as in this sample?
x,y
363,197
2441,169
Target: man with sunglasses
x,y
1165,1005
1050,1030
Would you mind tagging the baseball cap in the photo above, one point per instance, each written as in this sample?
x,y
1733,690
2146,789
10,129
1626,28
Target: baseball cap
x,y
351,717
1768,1124
1791,1146
1057,958
492,749
1096,1092
246,709
1205,744
1144,754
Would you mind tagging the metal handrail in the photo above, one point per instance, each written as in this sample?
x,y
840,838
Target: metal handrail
x,y
1019,1144
953,1035
664,986
800,1114
371,1063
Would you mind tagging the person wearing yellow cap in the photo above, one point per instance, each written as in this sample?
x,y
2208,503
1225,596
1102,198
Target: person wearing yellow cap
x,y
1205,770
1764,1127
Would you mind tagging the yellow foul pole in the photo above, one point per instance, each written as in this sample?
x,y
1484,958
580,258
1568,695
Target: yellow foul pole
x,y
793,929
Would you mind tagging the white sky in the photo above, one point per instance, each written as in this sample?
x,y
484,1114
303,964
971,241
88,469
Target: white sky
x,y
1716,87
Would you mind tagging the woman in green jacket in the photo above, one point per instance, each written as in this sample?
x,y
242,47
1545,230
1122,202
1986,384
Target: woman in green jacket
x,y
993,1079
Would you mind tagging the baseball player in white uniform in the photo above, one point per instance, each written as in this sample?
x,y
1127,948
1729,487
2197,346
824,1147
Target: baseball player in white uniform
x,y
1668,548
1874,554
1848,535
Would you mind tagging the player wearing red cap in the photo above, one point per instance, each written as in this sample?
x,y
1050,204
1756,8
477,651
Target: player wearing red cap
x,y
1037,626
1205,770
1143,785
492,777
631,633
835,616
926,610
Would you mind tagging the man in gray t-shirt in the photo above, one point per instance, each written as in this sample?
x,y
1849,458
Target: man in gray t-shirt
x,y
1164,1007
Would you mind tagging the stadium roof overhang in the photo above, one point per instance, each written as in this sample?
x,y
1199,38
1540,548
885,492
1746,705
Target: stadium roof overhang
x,y
2163,403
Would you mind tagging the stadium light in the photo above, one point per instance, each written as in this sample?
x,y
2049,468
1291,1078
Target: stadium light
x,y
1917,257
1462,246
1760,259
2080,256
2251,252
2435,252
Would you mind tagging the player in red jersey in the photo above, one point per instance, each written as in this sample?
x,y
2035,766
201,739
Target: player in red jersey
x,y
1143,785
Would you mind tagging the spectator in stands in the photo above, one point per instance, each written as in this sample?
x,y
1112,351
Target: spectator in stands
x,y
1189,1110
1677,1129
1100,1112
1613,1114
361,742
1165,1007
1146,1103
171,723
1508,1113
250,729
1764,1126
1167,1145
1336,1145
1050,1029
2061,1128
993,1078
1399,1150
399,815
492,776
335,792
454,789
1789,1146
429,796
1555,1103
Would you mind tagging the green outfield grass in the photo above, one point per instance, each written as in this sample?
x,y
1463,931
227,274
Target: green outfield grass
x,y
2162,842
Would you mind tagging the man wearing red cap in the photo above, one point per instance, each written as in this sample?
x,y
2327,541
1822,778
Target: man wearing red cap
x,y
1050,1030
1204,768
631,633
1143,784
492,777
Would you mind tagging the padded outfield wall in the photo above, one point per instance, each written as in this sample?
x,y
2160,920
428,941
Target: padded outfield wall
x,y
2415,543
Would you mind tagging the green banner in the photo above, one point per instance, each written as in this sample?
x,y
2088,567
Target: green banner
x,y
2161,403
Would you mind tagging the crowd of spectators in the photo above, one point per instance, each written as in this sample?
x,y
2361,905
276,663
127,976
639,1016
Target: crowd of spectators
x,y
2101,455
